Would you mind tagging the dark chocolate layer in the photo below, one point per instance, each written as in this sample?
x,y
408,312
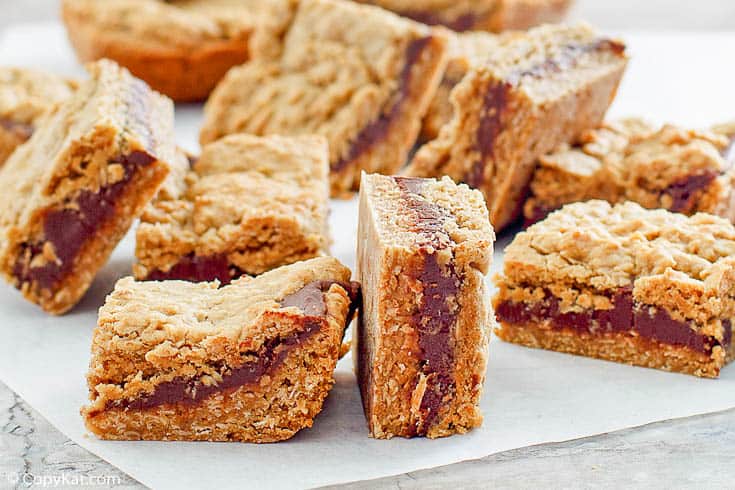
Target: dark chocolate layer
x,y
193,391
685,191
377,130
197,268
68,229
626,316
436,317
20,130
464,22
309,299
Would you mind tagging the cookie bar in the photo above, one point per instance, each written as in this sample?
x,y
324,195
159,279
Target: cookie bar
x,y
537,91
644,287
358,75
72,191
181,48
424,247
680,170
248,205
26,96
252,361
489,15
465,50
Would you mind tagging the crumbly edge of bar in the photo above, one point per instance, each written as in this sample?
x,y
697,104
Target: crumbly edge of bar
x,y
621,347
283,402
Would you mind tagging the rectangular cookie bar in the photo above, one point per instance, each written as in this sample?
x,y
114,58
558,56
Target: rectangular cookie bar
x,y
26,96
535,92
252,361
420,350
72,191
489,15
356,74
644,287
248,205
680,170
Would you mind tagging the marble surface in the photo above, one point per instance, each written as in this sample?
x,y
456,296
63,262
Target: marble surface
x,y
694,452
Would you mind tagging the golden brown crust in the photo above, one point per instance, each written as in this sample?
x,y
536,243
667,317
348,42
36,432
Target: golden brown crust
x,y
621,347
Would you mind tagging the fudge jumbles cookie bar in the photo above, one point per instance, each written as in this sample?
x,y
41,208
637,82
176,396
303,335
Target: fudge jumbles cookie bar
x,y
681,170
182,48
26,96
645,287
424,247
249,204
356,74
535,92
252,361
489,15
72,191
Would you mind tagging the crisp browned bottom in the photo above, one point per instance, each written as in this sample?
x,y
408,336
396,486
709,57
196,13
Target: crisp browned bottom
x,y
185,75
618,347
285,401
93,255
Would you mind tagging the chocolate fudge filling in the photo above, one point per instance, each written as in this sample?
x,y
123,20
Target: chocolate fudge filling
x,y
685,191
378,129
22,131
68,229
464,22
436,316
496,100
198,268
309,299
193,391
626,316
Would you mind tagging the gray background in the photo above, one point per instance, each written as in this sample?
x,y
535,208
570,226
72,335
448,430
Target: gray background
x,y
606,14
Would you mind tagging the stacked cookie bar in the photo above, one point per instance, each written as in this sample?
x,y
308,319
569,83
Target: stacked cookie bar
x,y
533,93
622,283
420,349
358,75
251,361
681,170
73,190
248,205
26,96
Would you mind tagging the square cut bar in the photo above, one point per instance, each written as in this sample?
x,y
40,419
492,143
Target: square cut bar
x,y
26,96
488,15
252,361
72,191
644,287
249,205
681,170
424,247
356,74
536,91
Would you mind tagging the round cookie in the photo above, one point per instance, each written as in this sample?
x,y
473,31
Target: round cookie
x,y
182,48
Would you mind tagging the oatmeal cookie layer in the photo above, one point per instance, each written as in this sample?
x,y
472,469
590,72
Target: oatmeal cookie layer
x,y
26,96
682,170
249,204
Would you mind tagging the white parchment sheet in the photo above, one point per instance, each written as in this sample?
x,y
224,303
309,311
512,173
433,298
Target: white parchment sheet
x,y
531,396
